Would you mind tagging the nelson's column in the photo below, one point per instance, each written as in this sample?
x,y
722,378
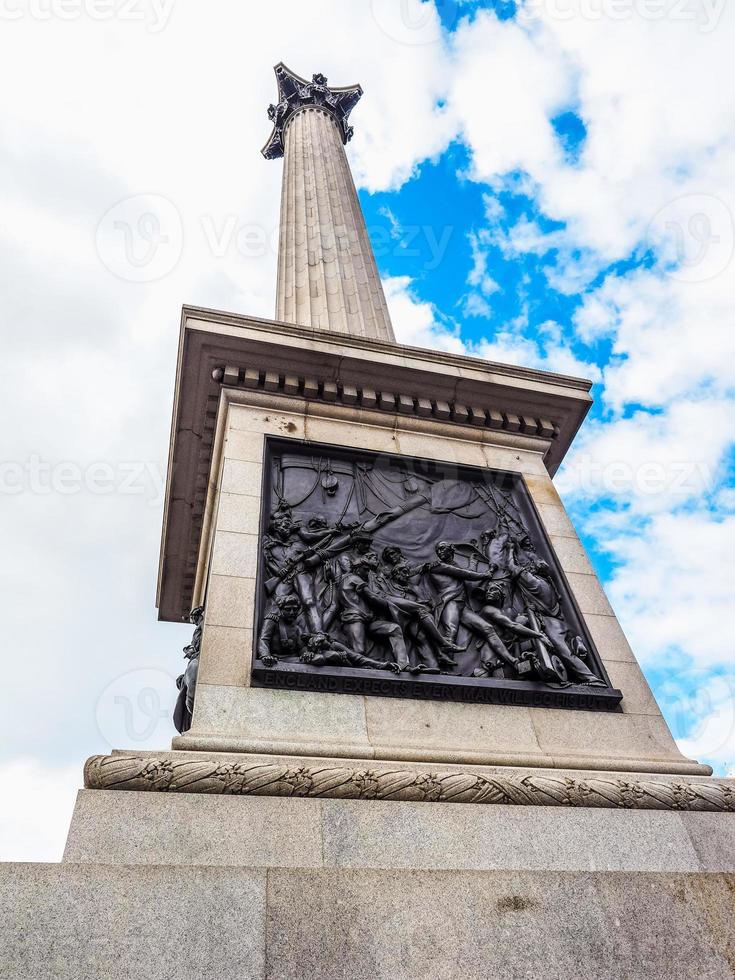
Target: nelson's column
x,y
414,741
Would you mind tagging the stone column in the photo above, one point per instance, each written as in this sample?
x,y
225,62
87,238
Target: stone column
x,y
327,276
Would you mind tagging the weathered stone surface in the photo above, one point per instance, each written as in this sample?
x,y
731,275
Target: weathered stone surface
x,y
84,922
160,828
378,834
240,476
238,513
253,831
269,714
226,656
643,737
89,922
498,925
235,554
713,842
446,726
609,638
230,602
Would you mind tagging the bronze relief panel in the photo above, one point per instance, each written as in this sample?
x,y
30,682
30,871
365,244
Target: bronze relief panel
x,y
407,577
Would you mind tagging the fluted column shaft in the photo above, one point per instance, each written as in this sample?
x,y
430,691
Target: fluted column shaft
x,y
327,276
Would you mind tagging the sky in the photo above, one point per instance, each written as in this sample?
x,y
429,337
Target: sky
x,y
548,183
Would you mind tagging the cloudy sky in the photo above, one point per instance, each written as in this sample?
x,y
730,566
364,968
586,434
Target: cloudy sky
x,y
549,182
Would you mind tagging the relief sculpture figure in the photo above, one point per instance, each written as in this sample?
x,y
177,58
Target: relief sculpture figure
x,y
362,608
535,584
187,682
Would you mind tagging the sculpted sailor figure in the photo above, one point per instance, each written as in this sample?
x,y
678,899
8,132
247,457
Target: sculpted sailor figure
x,y
495,543
448,580
322,649
506,630
394,583
361,608
187,682
535,584
285,550
282,636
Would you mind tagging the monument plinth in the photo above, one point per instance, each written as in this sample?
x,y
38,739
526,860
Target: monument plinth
x,y
413,738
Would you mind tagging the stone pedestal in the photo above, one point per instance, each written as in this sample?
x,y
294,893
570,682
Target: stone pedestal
x,y
189,886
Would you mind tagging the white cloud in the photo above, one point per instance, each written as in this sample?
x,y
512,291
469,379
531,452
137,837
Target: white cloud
x,y
669,337
39,800
650,462
517,347
672,590
711,702
416,323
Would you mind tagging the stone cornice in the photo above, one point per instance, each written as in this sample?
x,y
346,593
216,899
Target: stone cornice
x,y
223,776
296,93
220,351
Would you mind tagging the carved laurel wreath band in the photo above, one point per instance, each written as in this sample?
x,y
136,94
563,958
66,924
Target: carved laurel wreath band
x,y
167,775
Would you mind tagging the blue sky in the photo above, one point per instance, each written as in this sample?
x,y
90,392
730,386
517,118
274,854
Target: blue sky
x,y
549,183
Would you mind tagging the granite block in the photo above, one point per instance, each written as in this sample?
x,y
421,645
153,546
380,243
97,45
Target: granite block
x,y
230,602
226,656
352,431
235,555
253,418
239,513
564,735
93,922
382,834
240,476
466,452
713,840
551,925
447,726
266,714
131,828
589,594
571,554
609,638
244,446
637,695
